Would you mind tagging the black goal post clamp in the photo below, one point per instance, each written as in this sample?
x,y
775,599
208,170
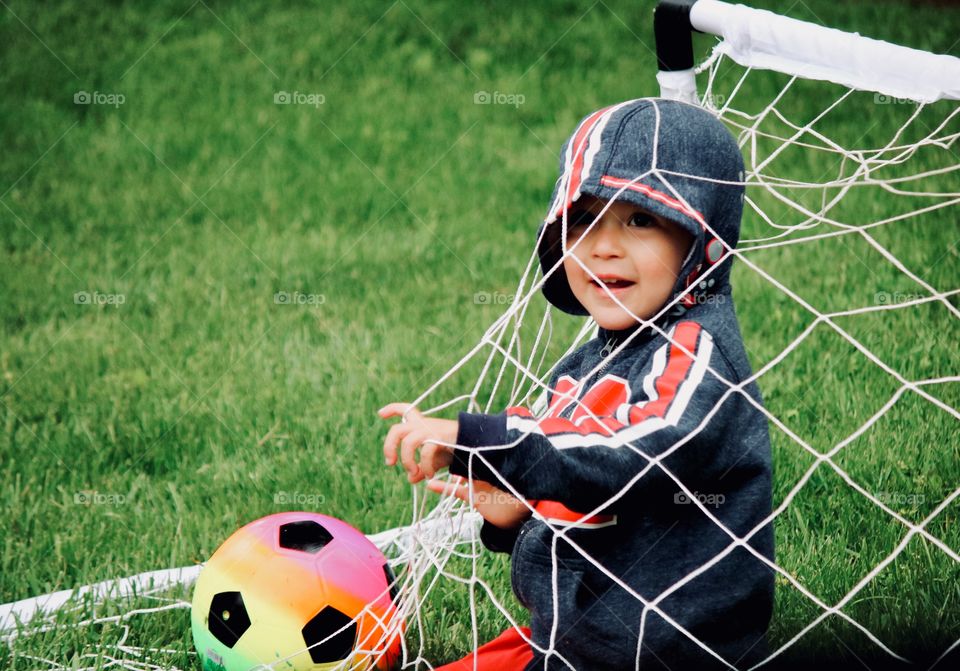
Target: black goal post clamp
x,y
673,33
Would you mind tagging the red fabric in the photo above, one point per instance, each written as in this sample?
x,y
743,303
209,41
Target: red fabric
x,y
679,364
617,183
507,652
603,399
579,150
552,510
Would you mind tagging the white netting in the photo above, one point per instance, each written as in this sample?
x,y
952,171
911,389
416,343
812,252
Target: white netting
x,y
815,178
905,176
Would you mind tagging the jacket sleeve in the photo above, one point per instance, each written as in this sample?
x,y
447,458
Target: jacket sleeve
x,y
497,539
583,461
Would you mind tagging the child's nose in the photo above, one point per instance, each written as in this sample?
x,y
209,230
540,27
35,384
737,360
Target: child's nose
x,y
606,238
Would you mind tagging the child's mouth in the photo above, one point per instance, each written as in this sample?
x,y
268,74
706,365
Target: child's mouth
x,y
613,285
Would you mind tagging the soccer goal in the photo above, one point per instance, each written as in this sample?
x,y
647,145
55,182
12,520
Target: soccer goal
x,y
847,281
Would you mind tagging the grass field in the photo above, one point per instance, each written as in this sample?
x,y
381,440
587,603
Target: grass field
x,y
207,295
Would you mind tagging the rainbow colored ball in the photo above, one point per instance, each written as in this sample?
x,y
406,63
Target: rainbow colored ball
x,y
296,591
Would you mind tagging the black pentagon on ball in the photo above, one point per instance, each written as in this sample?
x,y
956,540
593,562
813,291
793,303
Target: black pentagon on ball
x,y
305,535
228,618
391,582
335,646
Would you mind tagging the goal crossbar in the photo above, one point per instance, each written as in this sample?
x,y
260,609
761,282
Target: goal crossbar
x,y
763,40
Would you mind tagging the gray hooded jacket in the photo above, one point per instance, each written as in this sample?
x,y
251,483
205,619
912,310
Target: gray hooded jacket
x,y
617,527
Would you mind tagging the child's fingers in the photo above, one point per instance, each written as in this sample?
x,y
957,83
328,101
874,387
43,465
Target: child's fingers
x,y
457,489
408,455
428,455
396,433
396,410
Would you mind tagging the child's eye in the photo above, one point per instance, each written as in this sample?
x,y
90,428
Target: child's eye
x,y
578,221
642,220
579,218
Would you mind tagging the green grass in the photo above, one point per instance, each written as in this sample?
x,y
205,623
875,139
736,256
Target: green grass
x,y
397,199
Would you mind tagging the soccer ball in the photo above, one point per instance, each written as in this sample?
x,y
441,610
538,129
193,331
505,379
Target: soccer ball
x,y
296,591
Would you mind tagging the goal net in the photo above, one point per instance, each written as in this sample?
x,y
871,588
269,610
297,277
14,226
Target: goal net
x,y
847,288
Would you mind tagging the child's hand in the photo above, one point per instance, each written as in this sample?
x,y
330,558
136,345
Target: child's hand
x,y
496,506
418,431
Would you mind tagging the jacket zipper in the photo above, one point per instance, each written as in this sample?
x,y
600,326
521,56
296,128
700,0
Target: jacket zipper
x,y
608,348
604,354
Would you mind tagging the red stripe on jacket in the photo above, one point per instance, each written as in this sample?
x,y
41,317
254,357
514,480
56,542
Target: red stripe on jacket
x,y
678,367
603,399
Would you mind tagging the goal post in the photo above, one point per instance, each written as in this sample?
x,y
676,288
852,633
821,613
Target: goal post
x,y
761,39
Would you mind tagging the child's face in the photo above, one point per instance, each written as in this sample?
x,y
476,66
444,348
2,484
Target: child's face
x,y
640,252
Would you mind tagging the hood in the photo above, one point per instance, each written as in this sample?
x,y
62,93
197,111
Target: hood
x,y
671,158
